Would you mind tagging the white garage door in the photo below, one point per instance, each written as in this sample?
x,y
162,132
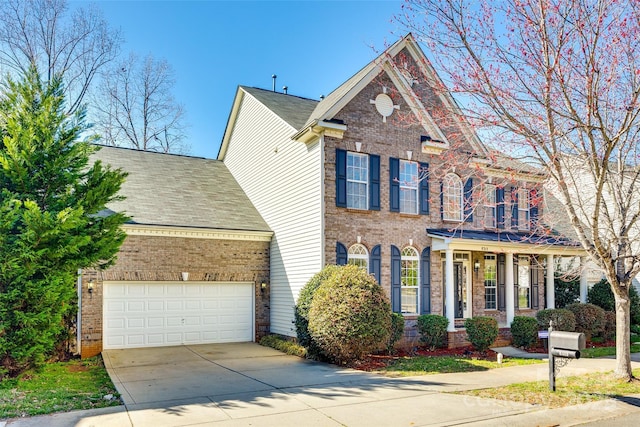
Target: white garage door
x,y
153,314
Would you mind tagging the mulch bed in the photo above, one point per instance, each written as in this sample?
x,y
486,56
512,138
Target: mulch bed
x,y
375,362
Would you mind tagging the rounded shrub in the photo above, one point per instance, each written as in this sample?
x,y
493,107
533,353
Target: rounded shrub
x,y
609,332
301,314
433,330
397,330
350,315
524,331
563,319
601,295
482,331
589,318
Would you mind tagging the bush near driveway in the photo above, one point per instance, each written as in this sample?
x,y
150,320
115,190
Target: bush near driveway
x,y
350,315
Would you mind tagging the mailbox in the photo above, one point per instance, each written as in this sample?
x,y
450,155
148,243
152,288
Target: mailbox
x,y
567,340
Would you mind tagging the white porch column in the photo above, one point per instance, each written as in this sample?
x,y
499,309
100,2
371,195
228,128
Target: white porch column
x,y
449,290
583,279
508,283
551,290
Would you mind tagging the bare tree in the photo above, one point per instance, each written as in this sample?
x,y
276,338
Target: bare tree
x,y
135,107
74,44
559,82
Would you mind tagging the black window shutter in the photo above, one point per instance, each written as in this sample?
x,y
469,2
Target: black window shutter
x,y
394,184
423,175
374,182
514,207
425,270
468,200
535,277
395,279
374,262
501,282
500,207
341,178
341,254
533,209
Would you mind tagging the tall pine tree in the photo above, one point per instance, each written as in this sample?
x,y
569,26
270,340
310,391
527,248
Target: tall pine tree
x,y
52,218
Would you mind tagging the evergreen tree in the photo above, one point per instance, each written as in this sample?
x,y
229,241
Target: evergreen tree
x,y
52,218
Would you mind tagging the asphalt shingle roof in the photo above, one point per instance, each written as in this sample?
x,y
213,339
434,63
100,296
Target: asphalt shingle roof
x,y
504,236
174,190
292,109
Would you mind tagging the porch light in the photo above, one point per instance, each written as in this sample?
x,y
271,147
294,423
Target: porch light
x,y
263,287
90,286
476,266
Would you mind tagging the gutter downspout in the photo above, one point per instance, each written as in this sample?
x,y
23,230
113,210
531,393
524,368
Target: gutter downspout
x,y
79,315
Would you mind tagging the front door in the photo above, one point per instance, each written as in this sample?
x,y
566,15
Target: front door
x,y
462,287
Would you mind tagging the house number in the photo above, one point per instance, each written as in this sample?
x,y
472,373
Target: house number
x,y
484,248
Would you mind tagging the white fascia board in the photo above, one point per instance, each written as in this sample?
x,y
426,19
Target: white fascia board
x,y
195,233
440,243
233,115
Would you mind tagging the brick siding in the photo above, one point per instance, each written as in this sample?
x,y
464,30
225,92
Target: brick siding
x,y
153,258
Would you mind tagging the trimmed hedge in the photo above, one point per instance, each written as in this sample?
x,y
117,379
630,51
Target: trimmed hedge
x,y
563,319
397,330
482,331
283,345
524,331
590,319
433,330
302,310
350,315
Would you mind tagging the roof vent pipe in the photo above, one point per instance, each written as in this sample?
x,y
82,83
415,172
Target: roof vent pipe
x,y
274,77
321,97
285,89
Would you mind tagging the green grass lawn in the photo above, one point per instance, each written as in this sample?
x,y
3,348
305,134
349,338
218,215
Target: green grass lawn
x,y
605,351
424,365
569,390
58,387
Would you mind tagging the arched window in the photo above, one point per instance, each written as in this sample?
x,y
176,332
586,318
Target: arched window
x,y
452,197
410,279
358,255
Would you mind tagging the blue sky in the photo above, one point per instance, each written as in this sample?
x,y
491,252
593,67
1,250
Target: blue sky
x,y
214,46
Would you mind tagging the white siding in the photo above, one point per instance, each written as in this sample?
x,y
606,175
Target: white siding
x,y
283,179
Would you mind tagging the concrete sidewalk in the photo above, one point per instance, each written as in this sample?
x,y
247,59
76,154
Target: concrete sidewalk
x,y
354,399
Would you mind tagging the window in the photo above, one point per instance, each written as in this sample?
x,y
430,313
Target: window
x,y
524,283
408,187
490,205
523,209
409,276
452,198
357,180
490,282
358,256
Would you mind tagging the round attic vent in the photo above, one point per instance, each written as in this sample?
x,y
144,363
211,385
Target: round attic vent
x,y
384,104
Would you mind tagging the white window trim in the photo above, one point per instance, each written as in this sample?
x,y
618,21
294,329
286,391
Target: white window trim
x,y
491,259
521,264
365,182
414,257
523,210
490,204
412,186
358,252
452,178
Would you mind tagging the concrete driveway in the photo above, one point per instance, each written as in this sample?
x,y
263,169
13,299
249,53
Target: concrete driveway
x,y
152,375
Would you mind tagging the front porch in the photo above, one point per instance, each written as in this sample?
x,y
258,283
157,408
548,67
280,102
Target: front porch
x,y
498,274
